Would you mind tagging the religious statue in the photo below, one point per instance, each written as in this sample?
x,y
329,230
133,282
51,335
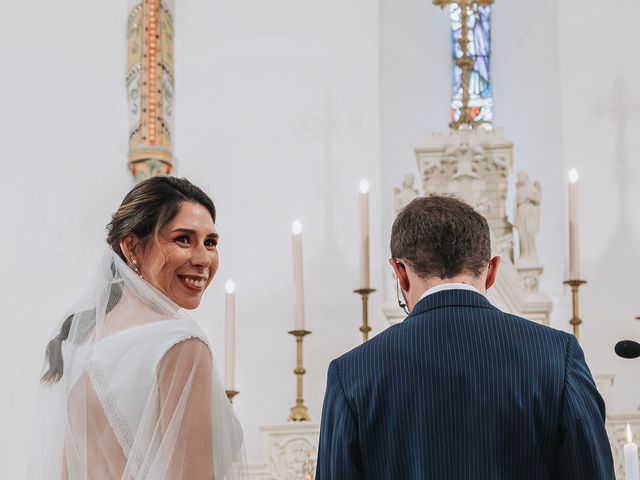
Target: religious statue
x,y
404,195
527,217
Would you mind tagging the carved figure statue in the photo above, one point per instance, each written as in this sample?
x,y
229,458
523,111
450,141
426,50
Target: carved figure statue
x,y
404,195
527,216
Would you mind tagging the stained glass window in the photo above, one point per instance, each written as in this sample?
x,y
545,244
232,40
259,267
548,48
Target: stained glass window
x,y
479,48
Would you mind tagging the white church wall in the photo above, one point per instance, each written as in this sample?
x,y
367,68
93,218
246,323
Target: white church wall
x,y
280,121
414,94
601,115
63,153
277,117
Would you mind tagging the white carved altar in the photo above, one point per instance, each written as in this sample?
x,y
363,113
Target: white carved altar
x,y
475,166
289,452
616,424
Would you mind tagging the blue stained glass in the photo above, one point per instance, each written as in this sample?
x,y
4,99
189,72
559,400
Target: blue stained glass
x,y
479,48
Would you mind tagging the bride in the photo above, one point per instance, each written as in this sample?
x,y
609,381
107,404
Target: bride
x,y
129,389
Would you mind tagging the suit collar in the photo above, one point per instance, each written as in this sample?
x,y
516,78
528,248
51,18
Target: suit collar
x,y
448,286
451,298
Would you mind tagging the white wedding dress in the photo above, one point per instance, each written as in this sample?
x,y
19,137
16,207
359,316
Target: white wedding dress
x,y
140,397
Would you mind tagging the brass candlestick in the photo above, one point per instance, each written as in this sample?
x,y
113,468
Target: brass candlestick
x,y
231,394
299,412
365,328
575,320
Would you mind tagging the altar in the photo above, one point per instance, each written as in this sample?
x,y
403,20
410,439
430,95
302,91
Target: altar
x,y
473,160
474,165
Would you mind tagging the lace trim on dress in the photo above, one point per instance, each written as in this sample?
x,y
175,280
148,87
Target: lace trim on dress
x,y
116,420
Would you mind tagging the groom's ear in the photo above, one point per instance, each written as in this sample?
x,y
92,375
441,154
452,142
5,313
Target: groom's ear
x,y
401,273
492,271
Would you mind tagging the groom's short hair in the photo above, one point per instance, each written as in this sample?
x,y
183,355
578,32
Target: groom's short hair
x,y
441,236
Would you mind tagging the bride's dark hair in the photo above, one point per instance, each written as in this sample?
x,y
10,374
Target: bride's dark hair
x,y
148,207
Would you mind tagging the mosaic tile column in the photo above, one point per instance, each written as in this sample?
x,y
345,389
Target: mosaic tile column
x,y
150,88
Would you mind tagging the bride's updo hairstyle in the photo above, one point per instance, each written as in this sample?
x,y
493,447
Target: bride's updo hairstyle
x,y
148,207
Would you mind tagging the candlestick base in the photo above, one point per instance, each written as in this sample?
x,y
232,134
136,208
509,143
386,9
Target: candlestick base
x,y
231,394
299,413
364,294
575,321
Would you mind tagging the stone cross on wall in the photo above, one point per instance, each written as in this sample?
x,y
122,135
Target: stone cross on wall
x,y
621,108
325,127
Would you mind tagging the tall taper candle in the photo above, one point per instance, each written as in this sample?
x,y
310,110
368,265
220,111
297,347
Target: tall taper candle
x,y
298,284
631,469
364,234
230,335
574,248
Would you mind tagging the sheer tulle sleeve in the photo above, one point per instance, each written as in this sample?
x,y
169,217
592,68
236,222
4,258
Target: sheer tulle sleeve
x,y
184,384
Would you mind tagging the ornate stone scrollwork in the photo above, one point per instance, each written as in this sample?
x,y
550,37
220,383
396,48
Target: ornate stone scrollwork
x,y
291,452
474,165
466,158
294,457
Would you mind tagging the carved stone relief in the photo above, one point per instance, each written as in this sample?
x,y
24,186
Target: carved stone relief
x,y
474,165
291,452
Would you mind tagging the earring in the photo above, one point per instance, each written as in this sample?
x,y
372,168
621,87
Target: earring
x,y
136,268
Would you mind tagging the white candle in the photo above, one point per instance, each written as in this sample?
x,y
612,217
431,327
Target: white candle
x,y
230,335
298,286
631,470
364,234
574,251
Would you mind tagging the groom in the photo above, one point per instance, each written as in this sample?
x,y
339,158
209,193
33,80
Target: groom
x,y
460,389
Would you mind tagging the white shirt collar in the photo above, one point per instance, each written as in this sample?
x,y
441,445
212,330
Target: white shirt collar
x,y
449,286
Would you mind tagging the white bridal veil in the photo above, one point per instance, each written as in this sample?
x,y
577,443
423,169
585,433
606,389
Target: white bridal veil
x,y
139,396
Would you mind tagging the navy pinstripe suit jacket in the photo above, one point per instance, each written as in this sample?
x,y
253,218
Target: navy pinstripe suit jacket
x,y
462,390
